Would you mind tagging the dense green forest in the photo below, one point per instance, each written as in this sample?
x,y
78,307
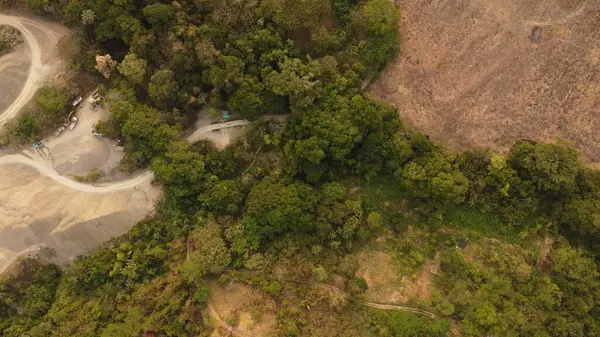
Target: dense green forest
x,y
297,200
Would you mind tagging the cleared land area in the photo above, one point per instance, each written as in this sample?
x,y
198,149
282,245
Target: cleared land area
x,y
40,39
36,211
471,76
77,151
14,68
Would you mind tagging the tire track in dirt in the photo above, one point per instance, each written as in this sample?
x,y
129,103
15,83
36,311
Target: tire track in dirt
x,y
558,22
111,187
37,71
367,303
214,314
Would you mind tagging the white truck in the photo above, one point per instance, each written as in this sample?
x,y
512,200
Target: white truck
x,y
74,121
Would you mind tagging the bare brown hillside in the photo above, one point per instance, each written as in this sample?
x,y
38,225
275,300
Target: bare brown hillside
x,y
470,74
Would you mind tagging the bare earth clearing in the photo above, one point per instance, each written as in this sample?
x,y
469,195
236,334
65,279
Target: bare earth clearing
x,y
77,151
36,211
250,312
45,209
40,38
470,75
14,68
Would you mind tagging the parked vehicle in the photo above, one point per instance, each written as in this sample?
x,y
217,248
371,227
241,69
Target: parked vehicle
x,y
59,131
77,101
74,121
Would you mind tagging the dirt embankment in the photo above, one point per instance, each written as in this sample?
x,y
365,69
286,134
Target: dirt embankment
x,y
470,74
36,211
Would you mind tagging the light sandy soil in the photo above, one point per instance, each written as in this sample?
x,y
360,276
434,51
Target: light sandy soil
x,y
77,151
36,211
470,76
14,68
40,37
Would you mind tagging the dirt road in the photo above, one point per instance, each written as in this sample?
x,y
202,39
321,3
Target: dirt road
x,y
50,172
36,211
201,133
14,69
38,71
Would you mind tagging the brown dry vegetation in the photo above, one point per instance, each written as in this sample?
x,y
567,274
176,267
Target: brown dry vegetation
x,y
469,74
244,307
386,282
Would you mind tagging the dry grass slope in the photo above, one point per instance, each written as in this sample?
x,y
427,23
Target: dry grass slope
x,y
469,74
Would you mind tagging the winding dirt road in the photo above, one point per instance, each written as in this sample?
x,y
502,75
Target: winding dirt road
x,y
111,187
51,173
37,70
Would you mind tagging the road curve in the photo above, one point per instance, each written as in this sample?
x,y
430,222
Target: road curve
x,y
36,68
52,174
197,135
6,265
109,187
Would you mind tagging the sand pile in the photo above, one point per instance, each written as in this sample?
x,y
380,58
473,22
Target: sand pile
x,y
36,211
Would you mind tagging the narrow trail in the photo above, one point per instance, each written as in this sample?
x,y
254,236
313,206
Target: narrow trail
x,y
369,304
214,314
557,22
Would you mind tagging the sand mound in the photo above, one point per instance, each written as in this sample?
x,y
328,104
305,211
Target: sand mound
x,y
37,211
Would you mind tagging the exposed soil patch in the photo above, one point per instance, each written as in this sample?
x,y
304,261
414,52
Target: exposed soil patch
x,y
35,211
243,307
545,249
471,76
422,287
14,67
384,281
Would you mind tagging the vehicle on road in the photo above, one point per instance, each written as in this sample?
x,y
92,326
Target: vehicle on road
x,y
74,121
77,101
59,131
94,101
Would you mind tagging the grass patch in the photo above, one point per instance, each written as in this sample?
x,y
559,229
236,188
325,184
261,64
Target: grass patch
x,y
387,196
91,177
480,224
